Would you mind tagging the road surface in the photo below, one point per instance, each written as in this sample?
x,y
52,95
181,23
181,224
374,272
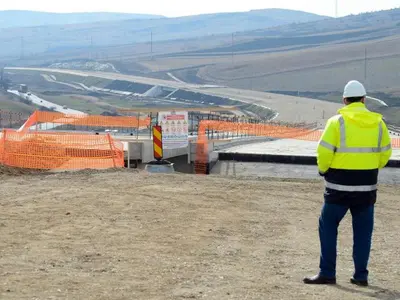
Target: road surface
x,y
175,78
53,79
290,109
44,103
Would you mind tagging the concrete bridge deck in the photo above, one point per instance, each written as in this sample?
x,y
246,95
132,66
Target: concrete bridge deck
x,y
285,147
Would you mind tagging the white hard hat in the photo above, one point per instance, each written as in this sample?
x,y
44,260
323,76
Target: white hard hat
x,y
354,89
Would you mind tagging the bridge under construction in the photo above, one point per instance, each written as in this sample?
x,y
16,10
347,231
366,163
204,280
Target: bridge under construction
x,y
56,141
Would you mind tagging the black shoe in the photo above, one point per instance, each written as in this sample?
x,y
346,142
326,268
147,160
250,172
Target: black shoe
x,y
359,282
317,279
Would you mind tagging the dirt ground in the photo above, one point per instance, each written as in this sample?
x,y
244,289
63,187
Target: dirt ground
x,y
129,235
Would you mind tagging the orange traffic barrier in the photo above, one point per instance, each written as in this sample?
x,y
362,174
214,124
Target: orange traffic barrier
x,y
57,119
59,151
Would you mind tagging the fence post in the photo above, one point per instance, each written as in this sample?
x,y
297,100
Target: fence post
x,y
112,148
4,148
137,129
208,127
151,125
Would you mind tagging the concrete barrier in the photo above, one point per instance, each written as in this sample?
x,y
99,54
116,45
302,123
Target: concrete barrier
x,y
143,150
282,159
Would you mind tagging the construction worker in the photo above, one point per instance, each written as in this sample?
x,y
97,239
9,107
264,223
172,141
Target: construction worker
x,y
354,146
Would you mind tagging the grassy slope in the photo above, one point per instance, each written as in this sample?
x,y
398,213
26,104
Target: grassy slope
x,y
325,68
381,22
74,102
315,56
7,104
391,113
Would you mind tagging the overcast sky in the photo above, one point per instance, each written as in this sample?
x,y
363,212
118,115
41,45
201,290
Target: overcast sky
x,y
172,8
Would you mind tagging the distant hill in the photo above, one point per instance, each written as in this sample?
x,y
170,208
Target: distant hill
x,y
314,59
23,18
72,36
378,19
362,27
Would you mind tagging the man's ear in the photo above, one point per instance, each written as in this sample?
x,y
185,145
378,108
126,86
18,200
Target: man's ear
x,y
363,100
344,101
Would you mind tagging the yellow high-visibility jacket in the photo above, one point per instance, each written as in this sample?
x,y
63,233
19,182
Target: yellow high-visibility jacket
x,y
355,139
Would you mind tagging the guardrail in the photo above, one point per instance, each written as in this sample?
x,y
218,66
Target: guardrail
x,y
394,129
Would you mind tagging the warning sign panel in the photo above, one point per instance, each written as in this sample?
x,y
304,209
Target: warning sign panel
x,y
175,129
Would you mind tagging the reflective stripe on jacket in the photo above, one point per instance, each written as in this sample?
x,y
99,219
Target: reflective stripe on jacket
x,y
355,140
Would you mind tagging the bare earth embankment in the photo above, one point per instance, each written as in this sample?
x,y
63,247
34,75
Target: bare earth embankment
x,y
127,235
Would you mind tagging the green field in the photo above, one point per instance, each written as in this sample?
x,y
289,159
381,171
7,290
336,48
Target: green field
x,y
86,80
75,102
98,104
6,104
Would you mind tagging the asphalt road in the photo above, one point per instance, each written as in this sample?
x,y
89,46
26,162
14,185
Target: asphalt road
x,y
44,103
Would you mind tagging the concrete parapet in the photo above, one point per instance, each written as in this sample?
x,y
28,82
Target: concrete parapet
x,y
282,159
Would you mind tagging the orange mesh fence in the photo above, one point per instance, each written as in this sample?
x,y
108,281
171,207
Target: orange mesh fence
x,y
267,130
40,117
299,132
58,151
271,130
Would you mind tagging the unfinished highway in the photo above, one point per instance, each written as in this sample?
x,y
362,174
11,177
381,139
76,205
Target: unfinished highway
x,y
288,108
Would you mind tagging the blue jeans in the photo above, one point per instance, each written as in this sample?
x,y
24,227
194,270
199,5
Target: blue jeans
x,y
363,224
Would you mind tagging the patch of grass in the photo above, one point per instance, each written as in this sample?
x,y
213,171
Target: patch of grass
x,y
7,104
261,112
74,102
96,81
392,114
86,80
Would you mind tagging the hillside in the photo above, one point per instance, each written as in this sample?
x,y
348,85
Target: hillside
x,y
313,60
314,57
51,39
24,18
361,27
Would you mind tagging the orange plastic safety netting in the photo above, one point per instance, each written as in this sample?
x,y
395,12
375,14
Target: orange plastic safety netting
x,y
59,151
266,130
56,119
299,132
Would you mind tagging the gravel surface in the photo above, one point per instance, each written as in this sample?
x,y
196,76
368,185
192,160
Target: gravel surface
x,y
130,235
